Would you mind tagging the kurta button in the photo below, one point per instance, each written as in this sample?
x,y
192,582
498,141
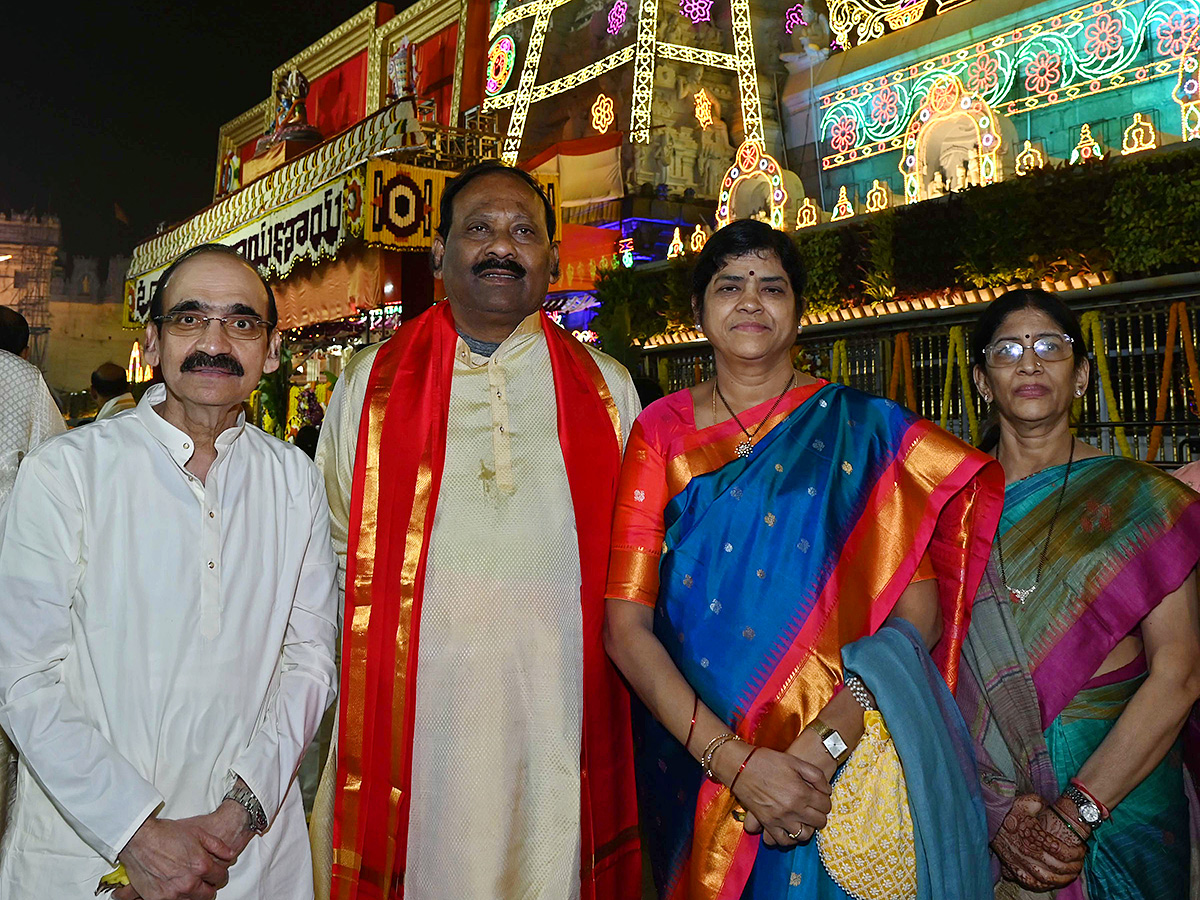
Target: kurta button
x,y
211,564
186,445
211,514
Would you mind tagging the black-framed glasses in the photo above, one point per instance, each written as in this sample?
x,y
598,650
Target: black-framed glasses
x,y
190,324
1051,348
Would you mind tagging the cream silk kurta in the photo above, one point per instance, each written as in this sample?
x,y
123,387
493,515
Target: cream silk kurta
x,y
499,692
159,633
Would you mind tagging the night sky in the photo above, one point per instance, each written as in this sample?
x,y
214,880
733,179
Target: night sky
x,y
121,103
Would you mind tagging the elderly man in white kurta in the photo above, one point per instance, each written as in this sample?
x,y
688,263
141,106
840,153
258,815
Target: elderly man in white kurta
x,y
167,630
509,688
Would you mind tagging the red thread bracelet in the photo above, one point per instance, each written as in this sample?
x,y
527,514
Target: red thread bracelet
x,y
741,768
1104,813
695,707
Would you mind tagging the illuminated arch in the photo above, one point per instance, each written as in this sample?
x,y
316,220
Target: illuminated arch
x,y
753,162
948,100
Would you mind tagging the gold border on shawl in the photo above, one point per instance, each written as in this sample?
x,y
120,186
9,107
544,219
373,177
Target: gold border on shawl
x,y
633,575
584,356
352,726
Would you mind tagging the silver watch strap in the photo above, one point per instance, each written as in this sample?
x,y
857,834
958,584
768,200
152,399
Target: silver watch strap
x,y
242,795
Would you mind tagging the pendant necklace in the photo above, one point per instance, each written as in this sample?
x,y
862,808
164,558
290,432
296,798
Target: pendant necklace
x,y
1020,596
746,447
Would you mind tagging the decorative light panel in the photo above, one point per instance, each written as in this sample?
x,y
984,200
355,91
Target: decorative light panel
x,y
1088,149
1139,136
704,107
879,197
625,248
808,214
1082,52
753,162
1029,159
699,239
794,18
676,247
1187,87
946,100
696,10
616,16
844,209
501,56
602,113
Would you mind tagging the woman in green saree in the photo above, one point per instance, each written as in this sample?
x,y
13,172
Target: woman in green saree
x,y
1082,662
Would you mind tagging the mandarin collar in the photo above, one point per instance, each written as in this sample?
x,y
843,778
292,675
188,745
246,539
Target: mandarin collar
x,y
176,441
530,326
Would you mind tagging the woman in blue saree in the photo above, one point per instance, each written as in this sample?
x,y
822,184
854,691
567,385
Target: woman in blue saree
x,y
769,526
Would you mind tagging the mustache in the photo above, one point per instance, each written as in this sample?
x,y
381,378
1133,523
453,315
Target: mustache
x,y
202,360
492,265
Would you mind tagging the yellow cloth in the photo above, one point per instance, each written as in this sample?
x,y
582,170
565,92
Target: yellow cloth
x,y
867,842
499,696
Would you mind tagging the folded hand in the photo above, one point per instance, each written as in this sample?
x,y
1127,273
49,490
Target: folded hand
x,y
1037,858
783,796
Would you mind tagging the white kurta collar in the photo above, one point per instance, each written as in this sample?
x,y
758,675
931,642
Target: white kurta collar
x,y
177,442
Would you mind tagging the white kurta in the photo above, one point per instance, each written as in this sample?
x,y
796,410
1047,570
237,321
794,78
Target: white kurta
x,y
160,633
499,692
28,415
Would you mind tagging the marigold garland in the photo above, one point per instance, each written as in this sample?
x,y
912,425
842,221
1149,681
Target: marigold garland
x,y
1093,338
1177,323
903,357
839,363
956,352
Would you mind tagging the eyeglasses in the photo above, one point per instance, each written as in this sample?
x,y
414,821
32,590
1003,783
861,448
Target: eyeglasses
x,y
1054,348
189,324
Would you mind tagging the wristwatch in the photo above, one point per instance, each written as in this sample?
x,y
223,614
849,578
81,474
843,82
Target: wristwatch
x,y
1089,812
241,794
832,740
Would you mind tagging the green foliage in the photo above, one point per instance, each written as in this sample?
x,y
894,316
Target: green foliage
x,y
636,305
1153,220
273,392
879,271
825,262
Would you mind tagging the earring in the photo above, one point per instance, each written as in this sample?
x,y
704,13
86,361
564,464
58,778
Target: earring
x,y
987,398
1079,392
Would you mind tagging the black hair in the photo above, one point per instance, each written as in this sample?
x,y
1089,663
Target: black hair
x,y
993,317
456,185
14,331
160,286
740,238
110,387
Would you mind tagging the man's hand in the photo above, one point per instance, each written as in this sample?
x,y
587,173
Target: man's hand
x,y
1037,859
229,823
169,859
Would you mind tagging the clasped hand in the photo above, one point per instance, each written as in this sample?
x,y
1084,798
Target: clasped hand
x,y
184,859
784,795
1035,849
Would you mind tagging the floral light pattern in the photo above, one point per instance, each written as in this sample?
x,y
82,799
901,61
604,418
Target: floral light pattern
x,y
1104,38
697,10
982,74
885,106
794,18
616,16
1043,72
1173,34
844,134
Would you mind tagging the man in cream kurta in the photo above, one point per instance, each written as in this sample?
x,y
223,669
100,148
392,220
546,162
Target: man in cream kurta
x,y
496,749
168,623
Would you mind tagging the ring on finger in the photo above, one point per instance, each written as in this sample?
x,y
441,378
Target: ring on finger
x,y
796,836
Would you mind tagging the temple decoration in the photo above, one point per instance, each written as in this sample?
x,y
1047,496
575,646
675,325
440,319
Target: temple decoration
x,y
968,143
501,57
699,239
1088,149
402,70
696,10
808,214
753,162
844,209
602,113
138,370
625,249
616,16
1187,87
676,247
704,108
1068,55
879,197
1029,159
855,22
291,114
1139,136
794,18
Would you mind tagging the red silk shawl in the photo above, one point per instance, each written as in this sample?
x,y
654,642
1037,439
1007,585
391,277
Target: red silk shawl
x,y
397,476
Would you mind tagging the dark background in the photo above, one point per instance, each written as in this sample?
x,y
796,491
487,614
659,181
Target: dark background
x,y
121,102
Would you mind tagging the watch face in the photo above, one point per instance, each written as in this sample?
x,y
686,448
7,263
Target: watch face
x,y
1090,812
835,745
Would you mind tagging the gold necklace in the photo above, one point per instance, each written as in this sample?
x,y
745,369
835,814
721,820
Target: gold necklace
x,y
746,447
